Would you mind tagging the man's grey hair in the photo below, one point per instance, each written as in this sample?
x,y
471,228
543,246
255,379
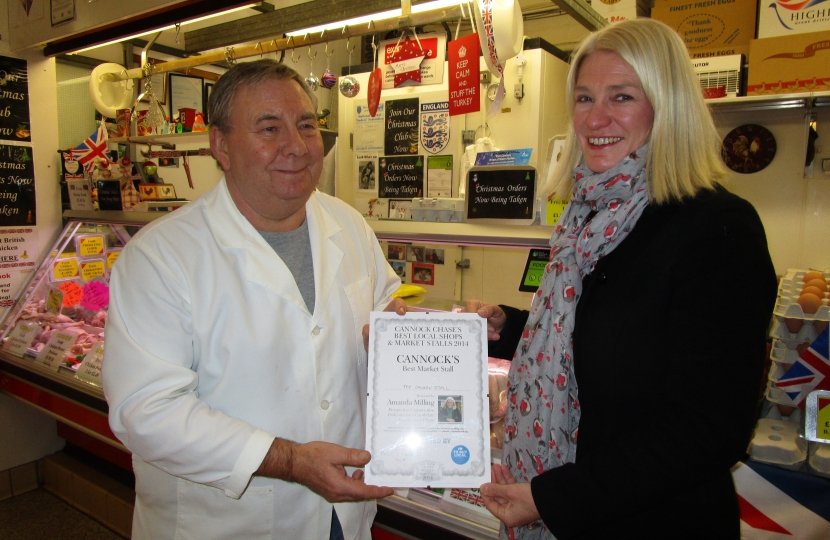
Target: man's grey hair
x,y
247,74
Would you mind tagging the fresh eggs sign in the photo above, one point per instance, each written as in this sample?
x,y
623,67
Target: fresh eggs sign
x,y
14,100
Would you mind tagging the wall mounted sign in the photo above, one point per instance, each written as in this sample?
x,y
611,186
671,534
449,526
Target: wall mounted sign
x,y
749,148
401,135
501,193
435,126
14,100
17,186
462,61
401,177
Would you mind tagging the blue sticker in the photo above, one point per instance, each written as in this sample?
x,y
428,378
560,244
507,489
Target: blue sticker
x,y
460,454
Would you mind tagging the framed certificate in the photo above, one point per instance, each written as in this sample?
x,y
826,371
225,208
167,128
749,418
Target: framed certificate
x,y
186,91
428,420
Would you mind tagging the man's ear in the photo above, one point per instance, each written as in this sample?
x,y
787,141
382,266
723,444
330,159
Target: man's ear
x,y
219,148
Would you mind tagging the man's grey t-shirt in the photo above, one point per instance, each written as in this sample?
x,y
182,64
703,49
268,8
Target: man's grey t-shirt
x,y
294,248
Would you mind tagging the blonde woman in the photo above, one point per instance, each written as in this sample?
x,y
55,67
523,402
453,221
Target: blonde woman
x,y
636,372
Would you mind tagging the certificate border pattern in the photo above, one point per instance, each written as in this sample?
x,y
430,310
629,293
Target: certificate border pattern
x,y
477,466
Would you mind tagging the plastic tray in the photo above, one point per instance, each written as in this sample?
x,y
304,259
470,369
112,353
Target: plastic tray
x,y
778,443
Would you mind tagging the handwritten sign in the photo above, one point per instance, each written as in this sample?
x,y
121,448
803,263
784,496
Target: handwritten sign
x,y
72,293
401,136
54,353
401,177
14,100
462,60
17,185
96,296
20,338
90,368
501,193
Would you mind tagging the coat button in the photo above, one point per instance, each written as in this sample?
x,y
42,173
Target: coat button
x,y
602,278
316,331
324,405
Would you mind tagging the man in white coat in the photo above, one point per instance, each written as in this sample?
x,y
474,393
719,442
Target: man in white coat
x,y
235,367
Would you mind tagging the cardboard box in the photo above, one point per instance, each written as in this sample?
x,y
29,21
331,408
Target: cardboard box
x,y
782,19
784,65
710,27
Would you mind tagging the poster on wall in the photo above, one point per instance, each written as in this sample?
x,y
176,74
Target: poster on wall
x,y
401,136
435,126
14,100
367,169
18,257
368,133
17,186
439,176
401,177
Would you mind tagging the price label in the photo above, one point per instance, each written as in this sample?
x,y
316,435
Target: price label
x,y
20,339
72,293
54,353
65,269
90,368
93,269
54,301
91,245
96,296
817,416
111,257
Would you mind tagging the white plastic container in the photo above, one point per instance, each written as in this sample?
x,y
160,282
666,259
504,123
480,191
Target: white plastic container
x,y
778,443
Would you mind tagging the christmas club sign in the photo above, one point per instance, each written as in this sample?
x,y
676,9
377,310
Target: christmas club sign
x,y
14,100
401,130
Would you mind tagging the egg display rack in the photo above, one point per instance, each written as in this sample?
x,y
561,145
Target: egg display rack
x,y
778,437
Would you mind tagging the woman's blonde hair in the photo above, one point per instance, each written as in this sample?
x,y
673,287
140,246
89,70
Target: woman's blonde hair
x,y
684,148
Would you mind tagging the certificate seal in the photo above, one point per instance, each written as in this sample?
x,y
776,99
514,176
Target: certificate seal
x,y
460,454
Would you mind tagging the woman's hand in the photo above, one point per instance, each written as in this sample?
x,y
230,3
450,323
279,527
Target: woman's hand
x,y
398,305
494,314
508,500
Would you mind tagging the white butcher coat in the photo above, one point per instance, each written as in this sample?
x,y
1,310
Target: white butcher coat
x,y
211,353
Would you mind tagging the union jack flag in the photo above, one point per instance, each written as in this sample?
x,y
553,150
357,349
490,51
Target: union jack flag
x,y
811,371
470,496
94,146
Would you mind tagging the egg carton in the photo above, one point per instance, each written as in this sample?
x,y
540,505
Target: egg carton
x,y
781,412
789,289
778,396
818,461
782,354
778,443
806,334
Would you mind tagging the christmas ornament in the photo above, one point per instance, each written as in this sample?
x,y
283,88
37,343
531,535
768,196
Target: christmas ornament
x,y
407,62
150,168
328,80
349,86
312,80
375,83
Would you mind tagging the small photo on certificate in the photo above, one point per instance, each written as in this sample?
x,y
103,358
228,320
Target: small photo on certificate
x,y
449,409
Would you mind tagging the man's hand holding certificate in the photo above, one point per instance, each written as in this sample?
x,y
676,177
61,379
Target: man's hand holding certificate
x,y
428,422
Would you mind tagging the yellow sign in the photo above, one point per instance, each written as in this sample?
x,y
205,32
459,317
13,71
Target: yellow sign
x,y
823,422
90,245
92,269
65,269
554,209
111,256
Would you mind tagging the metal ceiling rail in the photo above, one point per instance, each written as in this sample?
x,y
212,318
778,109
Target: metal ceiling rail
x,y
229,54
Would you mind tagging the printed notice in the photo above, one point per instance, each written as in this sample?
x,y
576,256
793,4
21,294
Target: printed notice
x,y
90,368
427,421
54,353
20,338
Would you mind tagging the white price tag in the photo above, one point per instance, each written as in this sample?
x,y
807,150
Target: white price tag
x,y
20,338
90,368
54,353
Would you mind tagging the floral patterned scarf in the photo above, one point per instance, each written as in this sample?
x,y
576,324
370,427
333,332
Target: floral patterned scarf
x,y
542,422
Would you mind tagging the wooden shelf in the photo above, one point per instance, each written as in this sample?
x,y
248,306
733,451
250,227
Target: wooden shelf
x,y
463,234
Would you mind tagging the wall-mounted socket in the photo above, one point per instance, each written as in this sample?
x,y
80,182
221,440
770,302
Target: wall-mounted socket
x,y
468,136
518,91
484,77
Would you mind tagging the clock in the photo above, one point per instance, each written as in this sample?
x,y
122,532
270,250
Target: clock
x,y
748,148
492,90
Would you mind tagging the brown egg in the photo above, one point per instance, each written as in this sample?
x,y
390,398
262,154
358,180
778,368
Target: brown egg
x,y
820,326
793,325
785,410
809,303
817,283
812,290
801,347
809,276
